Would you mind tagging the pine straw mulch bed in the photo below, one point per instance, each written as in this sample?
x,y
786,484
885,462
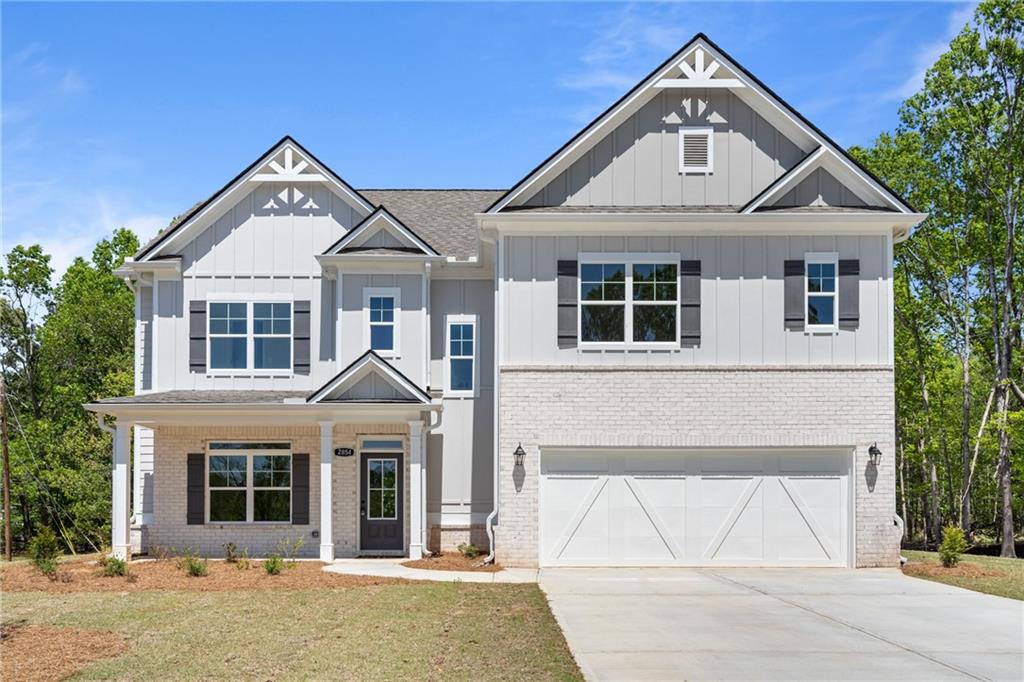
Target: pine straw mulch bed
x,y
962,570
164,575
452,561
37,653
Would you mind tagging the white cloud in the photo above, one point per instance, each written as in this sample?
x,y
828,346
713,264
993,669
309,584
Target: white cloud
x,y
68,224
927,54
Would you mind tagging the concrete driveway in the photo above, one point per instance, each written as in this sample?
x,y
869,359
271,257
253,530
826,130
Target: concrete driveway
x,y
782,624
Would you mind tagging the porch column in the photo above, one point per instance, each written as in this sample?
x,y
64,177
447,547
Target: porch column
x,y
120,540
416,470
326,480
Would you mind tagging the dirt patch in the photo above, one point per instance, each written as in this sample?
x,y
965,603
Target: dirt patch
x,y
43,652
164,575
964,569
452,561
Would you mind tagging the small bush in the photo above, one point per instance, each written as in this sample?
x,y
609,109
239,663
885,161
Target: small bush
x,y
469,550
43,550
231,554
242,563
290,550
193,565
273,564
112,566
953,545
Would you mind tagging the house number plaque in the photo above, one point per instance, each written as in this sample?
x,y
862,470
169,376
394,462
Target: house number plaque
x,y
344,452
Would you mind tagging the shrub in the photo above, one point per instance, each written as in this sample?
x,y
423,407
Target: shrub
x,y
43,550
273,564
469,550
290,550
231,554
242,562
193,565
112,566
953,545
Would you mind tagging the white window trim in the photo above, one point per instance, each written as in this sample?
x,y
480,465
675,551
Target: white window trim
x,y
709,132
396,294
629,259
249,488
450,320
826,257
250,344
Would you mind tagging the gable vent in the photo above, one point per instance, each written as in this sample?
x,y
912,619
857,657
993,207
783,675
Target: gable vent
x,y
696,151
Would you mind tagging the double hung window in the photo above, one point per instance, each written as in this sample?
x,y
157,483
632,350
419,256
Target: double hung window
x,y
629,302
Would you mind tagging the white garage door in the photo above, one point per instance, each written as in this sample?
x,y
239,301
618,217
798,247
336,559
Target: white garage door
x,y
650,508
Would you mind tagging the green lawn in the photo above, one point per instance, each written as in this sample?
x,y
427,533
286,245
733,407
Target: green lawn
x,y
1010,584
416,631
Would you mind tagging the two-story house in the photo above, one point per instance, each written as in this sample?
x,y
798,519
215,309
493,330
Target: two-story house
x,y
671,343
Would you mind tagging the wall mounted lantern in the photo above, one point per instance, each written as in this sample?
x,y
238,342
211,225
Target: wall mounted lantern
x,y
519,455
874,455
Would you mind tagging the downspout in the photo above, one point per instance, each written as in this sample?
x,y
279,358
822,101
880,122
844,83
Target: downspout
x,y
498,272
103,425
423,484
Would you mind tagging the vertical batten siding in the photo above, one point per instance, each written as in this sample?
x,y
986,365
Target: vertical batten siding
x,y
637,164
262,244
741,301
460,452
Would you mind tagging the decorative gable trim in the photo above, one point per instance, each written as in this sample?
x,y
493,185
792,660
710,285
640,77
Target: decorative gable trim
x,y
755,93
366,364
264,169
381,219
828,160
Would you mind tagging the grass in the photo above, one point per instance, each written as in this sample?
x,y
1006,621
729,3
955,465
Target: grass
x,y
408,631
1009,584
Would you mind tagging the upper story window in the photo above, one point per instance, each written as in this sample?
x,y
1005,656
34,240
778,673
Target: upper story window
x,y
382,308
250,336
820,291
629,302
696,149
462,345
249,482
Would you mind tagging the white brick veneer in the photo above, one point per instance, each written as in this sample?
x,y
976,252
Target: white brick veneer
x,y
694,408
172,445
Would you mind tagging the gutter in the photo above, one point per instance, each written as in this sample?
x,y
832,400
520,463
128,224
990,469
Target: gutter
x,y
499,271
423,483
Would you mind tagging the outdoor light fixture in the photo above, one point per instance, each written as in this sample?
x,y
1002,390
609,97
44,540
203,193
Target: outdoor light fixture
x,y
874,455
519,455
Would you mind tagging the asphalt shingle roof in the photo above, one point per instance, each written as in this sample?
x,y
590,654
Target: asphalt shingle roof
x,y
204,398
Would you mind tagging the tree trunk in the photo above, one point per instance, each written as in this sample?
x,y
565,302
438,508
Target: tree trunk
x,y
1004,474
965,438
26,520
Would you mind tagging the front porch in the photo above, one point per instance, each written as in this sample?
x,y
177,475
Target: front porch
x,y
340,472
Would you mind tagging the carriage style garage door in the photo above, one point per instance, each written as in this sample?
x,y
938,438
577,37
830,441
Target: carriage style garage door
x,y
655,508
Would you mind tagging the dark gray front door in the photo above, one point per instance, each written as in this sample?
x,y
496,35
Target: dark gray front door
x,y
380,504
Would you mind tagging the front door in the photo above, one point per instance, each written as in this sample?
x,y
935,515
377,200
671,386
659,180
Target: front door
x,y
380,504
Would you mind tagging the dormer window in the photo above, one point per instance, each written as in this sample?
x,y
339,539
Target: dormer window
x,y
696,149
381,309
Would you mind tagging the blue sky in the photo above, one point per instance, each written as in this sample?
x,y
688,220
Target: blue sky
x,y
127,114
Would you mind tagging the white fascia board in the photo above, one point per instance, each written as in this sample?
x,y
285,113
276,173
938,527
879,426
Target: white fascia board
x,y
366,228
752,94
256,414
757,224
788,180
367,363
166,267
228,197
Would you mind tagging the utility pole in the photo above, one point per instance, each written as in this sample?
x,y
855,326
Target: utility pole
x,y
7,469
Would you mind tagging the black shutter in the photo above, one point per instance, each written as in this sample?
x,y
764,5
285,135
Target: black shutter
x,y
794,294
300,490
849,294
300,337
197,336
568,301
196,489
689,302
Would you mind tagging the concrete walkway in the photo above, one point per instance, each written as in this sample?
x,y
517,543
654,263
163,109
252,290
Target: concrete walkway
x,y
782,624
393,568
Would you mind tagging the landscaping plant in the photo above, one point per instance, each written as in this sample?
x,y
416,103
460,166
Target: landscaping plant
x,y
230,552
954,543
273,564
193,565
43,550
112,566
469,550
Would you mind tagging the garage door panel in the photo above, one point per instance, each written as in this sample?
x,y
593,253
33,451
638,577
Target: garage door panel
x,y
659,508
